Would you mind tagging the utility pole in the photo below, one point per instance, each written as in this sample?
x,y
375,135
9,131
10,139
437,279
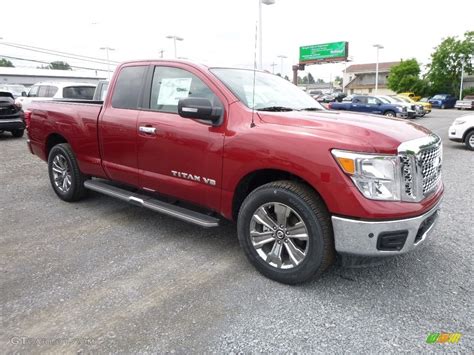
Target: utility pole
x,y
281,56
175,38
107,49
378,46
161,51
273,65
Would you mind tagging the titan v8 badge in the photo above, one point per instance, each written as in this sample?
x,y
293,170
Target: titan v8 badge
x,y
193,177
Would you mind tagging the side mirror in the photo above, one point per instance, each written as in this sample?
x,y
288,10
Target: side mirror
x,y
199,108
23,93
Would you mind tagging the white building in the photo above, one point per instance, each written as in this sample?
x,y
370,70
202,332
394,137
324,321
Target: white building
x,y
360,79
30,76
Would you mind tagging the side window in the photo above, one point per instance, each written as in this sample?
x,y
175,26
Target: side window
x,y
128,87
171,84
52,90
362,99
372,101
43,91
33,91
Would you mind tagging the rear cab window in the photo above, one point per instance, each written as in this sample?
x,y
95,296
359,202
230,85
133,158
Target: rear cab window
x,y
128,88
79,92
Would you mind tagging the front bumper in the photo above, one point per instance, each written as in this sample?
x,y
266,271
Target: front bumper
x,y
401,114
455,133
369,238
11,124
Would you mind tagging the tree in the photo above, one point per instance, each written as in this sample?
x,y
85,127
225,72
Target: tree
x,y
406,77
287,78
338,80
299,80
58,65
305,79
6,63
310,79
319,81
444,71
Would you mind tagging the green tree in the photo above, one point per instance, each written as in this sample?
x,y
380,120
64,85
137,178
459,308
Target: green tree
x,y
287,78
305,79
299,80
444,71
59,65
338,80
310,79
6,63
319,81
406,77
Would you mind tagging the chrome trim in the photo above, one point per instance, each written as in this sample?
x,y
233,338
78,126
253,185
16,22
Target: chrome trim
x,y
352,236
411,155
15,120
148,130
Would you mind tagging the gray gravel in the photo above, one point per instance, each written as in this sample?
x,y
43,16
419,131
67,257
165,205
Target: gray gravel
x,y
101,275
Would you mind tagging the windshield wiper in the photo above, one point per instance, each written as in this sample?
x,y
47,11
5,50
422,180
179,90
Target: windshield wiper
x,y
275,108
311,109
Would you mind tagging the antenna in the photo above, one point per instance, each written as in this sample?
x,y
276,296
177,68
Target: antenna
x,y
254,74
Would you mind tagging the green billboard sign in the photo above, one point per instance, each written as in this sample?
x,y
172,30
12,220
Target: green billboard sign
x,y
324,52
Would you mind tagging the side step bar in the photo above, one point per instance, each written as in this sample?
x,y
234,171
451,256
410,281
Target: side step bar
x,y
178,212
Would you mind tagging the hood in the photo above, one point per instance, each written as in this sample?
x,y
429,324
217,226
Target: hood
x,y
377,133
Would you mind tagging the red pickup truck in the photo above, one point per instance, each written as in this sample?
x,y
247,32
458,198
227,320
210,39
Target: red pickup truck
x,y
304,184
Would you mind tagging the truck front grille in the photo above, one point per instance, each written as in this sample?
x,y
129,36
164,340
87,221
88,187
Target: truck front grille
x,y
420,167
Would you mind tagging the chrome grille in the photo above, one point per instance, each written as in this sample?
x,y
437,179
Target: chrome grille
x,y
420,167
430,160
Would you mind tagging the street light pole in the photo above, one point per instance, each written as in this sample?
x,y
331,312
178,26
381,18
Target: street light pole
x,y
175,38
107,49
281,56
260,39
378,46
273,65
462,77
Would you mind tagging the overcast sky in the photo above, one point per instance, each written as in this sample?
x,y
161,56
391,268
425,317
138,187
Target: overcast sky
x,y
223,32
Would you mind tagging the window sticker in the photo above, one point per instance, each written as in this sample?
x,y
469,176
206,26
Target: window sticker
x,y
173,89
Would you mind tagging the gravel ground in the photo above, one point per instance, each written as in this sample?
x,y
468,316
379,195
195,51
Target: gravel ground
x,y
101,275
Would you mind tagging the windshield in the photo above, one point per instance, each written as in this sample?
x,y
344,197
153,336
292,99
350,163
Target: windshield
x,y
403,99
438,97
271,91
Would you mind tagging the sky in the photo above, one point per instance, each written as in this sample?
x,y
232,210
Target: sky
x,y
222,32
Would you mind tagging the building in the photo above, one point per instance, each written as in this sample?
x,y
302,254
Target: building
x,y
30,76
360,78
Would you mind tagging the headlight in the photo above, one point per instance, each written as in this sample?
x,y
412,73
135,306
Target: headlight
x,y
400,108
458,122
376,176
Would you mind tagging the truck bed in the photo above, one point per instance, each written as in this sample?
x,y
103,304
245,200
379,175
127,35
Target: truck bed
x,y
76,121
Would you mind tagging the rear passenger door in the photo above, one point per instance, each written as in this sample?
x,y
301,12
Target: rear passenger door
x,y
118,126
374,105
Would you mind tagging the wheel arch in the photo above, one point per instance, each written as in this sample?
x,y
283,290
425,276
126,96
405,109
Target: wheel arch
x,y
464,136
52,140
257,178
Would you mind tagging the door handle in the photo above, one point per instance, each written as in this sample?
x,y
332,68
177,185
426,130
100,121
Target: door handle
x,y
148,130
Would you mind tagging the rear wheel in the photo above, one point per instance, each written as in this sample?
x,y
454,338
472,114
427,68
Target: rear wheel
x,y
470,140
389,114
64,174
18,133
285,231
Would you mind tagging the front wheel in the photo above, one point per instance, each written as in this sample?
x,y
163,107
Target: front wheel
x,y
285,231
389,114
66,178
470,141
443,106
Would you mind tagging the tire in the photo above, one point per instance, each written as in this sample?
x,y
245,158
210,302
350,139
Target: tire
x,y
62,165
443,106
469,140
18,133
390,114
316,245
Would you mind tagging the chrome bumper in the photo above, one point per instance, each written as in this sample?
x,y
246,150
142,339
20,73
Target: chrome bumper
x,y
357,237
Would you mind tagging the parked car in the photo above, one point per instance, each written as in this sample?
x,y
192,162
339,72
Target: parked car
x,y
101,90
411,95
339,96
443,101
412,110
371,104
326,98
11,115
16,90
427,108
466,104
303,183
49,91
462,131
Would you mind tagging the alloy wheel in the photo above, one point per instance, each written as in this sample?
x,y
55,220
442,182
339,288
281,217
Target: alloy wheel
x,y
61,173
279,235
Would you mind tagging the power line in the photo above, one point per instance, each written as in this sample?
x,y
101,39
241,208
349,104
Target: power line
x,y
58,53
43,62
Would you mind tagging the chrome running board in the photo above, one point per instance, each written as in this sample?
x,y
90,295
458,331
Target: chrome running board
x,y
151,203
